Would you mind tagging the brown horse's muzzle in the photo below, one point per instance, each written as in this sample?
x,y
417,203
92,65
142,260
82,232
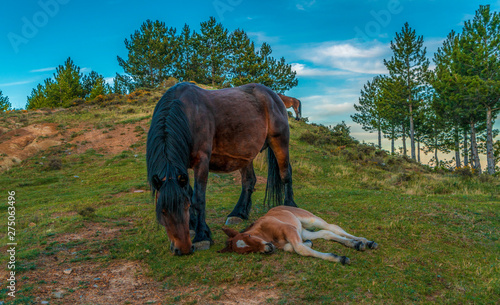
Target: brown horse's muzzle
x,y
178,251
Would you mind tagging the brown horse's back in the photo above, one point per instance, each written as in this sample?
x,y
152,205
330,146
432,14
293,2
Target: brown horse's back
x,y
217,115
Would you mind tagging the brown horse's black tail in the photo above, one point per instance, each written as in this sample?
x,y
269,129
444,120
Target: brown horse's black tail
x,y
275,186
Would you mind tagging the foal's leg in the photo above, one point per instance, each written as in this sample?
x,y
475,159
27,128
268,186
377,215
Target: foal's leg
x,y
304,248
242,208
335,233
203,236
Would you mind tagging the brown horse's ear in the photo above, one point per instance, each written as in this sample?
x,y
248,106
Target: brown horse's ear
x,y
230,232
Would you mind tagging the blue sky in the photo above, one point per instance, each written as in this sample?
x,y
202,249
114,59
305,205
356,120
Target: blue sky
x,y
335,46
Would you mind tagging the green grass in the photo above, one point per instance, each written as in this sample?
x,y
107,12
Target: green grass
x,y
438,234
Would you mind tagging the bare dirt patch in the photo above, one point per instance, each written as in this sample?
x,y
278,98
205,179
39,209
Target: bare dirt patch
x,y
19,144
22,143
112,141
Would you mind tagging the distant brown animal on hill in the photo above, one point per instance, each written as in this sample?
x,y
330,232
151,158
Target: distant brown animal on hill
x,y
290,229
292,102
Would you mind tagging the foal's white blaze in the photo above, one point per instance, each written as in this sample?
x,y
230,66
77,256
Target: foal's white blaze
x,y
241,244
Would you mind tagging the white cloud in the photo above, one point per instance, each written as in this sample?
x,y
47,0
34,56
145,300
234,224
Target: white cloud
x,y
43,70
16,83
349,56
260,37
303,70
109,80
303,5
324,108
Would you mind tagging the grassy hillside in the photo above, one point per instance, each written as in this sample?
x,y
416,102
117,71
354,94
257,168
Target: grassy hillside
x,y
86,229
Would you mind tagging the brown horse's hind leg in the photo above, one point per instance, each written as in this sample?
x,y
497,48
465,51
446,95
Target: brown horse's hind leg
x,y
280,149
242,209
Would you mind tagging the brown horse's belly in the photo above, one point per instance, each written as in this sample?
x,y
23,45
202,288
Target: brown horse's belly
x,y
226,163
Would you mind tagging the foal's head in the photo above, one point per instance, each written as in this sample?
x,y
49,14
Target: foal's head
x,y
246,243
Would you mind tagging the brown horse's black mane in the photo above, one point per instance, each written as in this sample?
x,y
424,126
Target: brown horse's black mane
x,y
168,149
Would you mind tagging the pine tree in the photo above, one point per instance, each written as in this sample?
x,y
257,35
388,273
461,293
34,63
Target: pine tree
x,y
66,85
369,109
122,84
4,102
410,65
277,75
37,98
480,69
243,62
152,52
213,49
94,84
393,110
188,65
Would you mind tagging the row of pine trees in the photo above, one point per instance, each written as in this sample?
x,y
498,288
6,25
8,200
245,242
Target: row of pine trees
x,y
450,108
156,53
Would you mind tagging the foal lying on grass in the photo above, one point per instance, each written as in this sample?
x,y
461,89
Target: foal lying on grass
x,y
290,229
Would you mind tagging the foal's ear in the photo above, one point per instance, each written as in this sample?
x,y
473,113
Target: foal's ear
x,y
230,232
156,181
228,248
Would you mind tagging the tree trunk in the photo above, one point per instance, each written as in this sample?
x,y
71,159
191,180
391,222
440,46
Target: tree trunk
x,y
418,151
379,138
436,149
393,135
457,149
466,149
412,133
404,141
475,155
490,157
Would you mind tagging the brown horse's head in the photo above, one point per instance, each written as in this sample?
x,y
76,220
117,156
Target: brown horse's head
x,y
246,243
172,211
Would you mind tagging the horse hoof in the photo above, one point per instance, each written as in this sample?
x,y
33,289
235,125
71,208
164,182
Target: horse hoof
x,y
359,245
308,243
344,260
202,245
233,221
372,245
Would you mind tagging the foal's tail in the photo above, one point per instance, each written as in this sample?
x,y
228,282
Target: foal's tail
x,y
275,186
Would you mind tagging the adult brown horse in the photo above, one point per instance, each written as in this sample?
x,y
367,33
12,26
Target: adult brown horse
x,y
213,130
292,102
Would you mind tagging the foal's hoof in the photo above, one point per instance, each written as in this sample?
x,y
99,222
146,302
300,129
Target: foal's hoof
x,y
233,221
359,245
202,245
372,245
308,243
344,260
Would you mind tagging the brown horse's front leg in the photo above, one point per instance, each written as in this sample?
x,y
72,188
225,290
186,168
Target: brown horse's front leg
x,y
242,209
203,236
